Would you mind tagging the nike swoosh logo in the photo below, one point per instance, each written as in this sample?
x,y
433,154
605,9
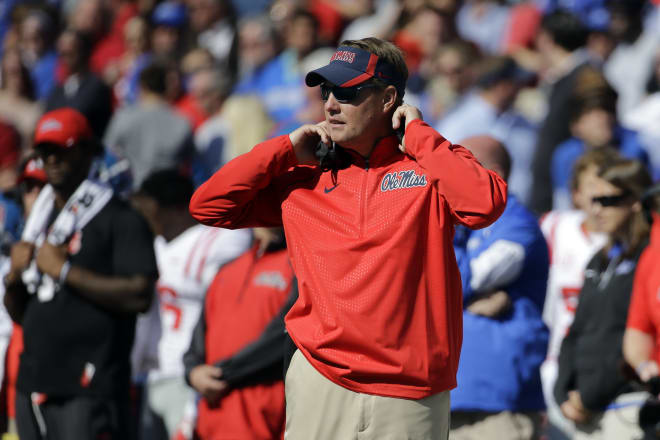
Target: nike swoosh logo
x,y
327,190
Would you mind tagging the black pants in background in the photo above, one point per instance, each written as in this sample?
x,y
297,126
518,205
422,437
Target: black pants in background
x,y
84,418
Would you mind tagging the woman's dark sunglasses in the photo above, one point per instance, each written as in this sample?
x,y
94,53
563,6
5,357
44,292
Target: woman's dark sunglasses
x,y
344,95
606,201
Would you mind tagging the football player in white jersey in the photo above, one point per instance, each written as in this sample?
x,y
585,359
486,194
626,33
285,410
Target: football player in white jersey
x,y
188,255
572,240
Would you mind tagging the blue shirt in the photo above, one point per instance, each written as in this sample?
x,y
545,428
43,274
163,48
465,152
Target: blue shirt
x,y
11,223
43,75
279,84
501,357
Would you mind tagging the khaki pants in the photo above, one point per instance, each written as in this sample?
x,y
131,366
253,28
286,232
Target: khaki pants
x,y
474,425
317,408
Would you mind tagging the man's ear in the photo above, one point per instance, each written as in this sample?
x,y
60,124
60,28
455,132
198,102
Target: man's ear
x,y
390,96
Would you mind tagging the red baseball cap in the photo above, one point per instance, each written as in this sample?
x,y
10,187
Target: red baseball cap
x,y
64,127
34,169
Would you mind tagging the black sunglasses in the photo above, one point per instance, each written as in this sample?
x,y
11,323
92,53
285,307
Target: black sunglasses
x,y
606,201
344,95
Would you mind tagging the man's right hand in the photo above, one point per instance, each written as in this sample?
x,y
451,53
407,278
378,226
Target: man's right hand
x,y
305,140
206,380
573,409
647,370
21,255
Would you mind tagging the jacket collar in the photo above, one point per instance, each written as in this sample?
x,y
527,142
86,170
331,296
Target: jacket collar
x,y
385,150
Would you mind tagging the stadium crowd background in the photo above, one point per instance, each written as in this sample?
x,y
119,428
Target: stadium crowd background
x,y
550,79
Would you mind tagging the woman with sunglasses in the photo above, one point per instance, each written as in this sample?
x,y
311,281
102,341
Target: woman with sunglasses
x,y
591,390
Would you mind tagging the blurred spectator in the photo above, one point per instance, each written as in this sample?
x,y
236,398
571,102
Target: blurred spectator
x,y
488,109
213,140
595,17
36,41
248,120
214,24
504,270
251,8
125,72
558,42
32,180
168,21
593,125
573,238
17,104
86,271
635,46
150,134
279,82
103,23
644,118
523,25
257,43
10,154
81,89
190,103
189,255
379,22
241,384
640,341
426,31
590,388
484,22
450,76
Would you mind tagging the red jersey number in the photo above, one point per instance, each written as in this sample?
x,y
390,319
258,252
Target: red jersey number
x,y
168,305
570,296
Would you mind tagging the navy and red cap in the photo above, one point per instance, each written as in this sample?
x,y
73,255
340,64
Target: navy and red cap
x,y
350,66
64,127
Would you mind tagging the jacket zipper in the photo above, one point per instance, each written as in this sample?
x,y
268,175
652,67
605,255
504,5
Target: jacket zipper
x,y
363,198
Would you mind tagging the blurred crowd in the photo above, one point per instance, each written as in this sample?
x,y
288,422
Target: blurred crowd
x,y
571,90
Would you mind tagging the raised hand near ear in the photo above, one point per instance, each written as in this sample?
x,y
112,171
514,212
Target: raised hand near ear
x,y
305,140
402,116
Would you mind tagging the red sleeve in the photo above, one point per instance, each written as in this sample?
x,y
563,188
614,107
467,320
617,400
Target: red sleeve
x,y
476,196
241,193
639,316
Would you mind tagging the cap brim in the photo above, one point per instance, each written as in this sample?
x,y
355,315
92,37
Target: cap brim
x,y
51,141
336,74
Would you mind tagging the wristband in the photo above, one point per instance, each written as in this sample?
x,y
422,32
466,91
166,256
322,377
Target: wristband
x,y
64,272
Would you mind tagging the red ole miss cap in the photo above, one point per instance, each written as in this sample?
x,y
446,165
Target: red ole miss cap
x,y
64,127
350,66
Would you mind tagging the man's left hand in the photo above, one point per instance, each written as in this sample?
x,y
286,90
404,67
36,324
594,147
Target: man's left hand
x,y
404,114
491,305
50,259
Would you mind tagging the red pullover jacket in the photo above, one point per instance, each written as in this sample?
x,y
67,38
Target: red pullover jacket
x,y
244,297
644,311
380,305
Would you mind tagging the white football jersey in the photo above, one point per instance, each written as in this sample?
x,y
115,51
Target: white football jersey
x,y
571,247
186,266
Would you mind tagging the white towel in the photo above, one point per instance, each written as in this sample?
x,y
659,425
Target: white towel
x,y
88,199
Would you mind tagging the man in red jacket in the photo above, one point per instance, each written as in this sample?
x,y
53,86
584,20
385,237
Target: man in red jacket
x,y
640,341
377,324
